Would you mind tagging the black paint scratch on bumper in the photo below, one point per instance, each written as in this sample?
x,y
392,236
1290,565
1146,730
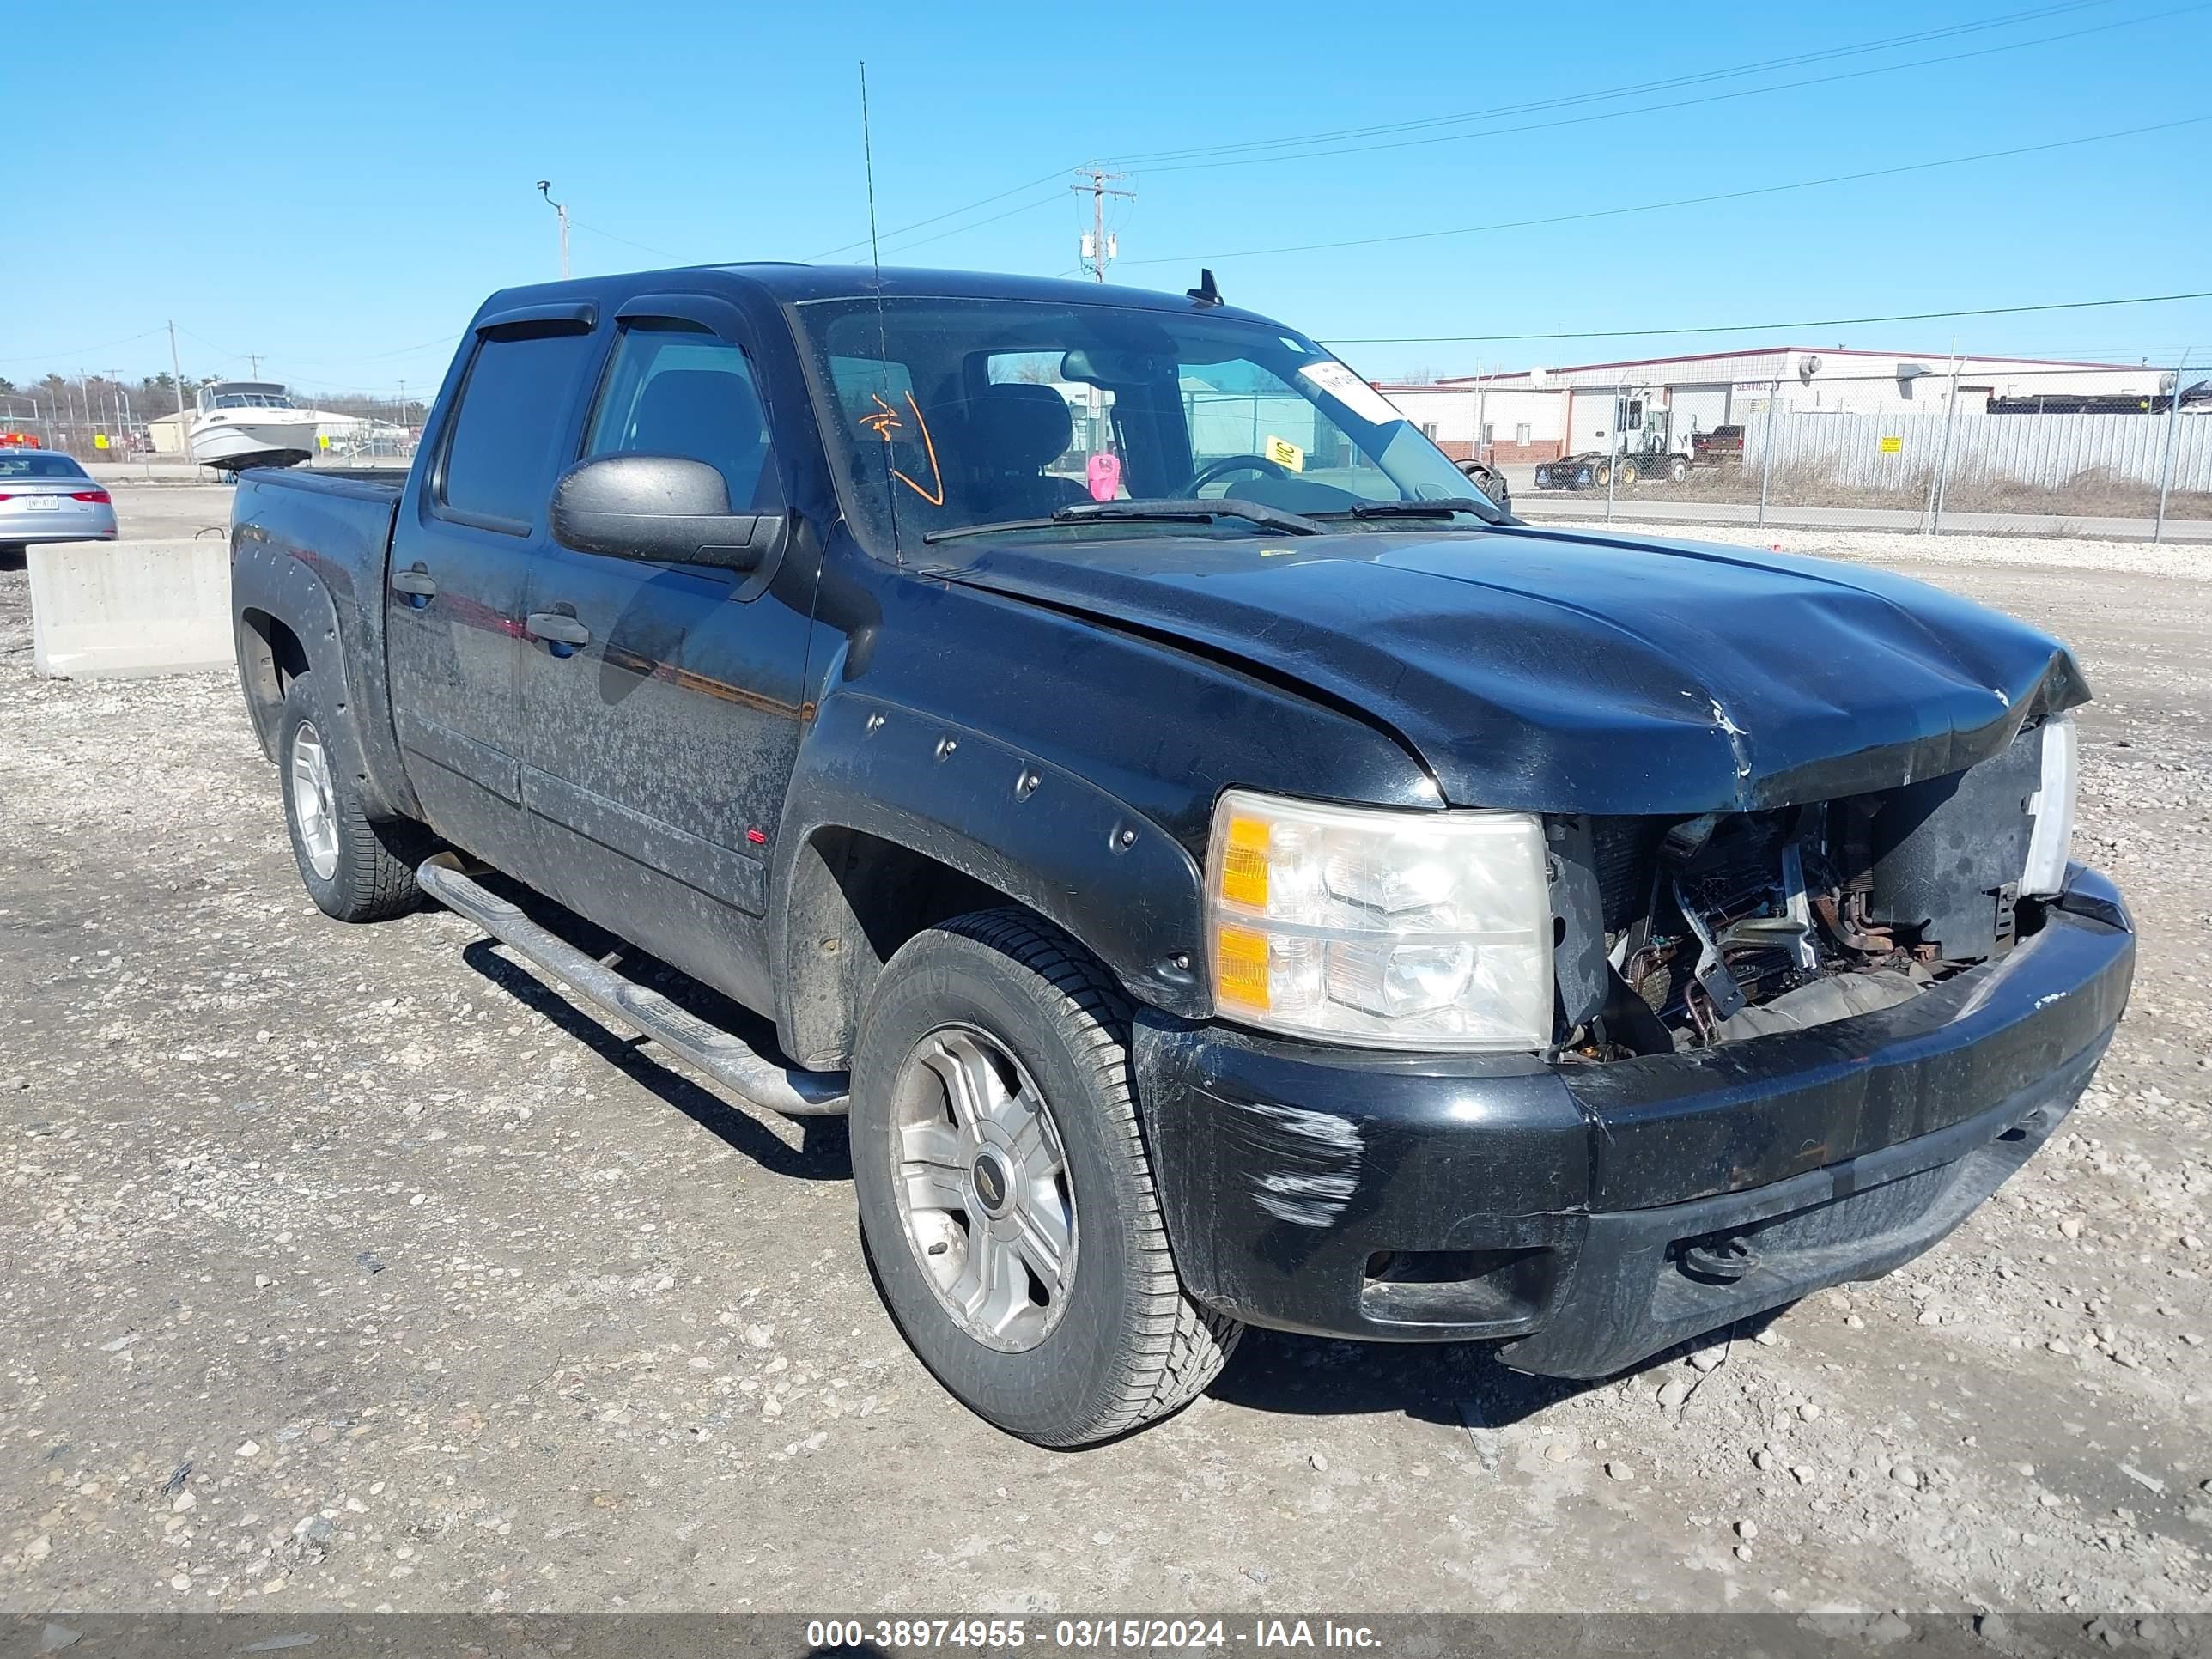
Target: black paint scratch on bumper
x,y
1417,1199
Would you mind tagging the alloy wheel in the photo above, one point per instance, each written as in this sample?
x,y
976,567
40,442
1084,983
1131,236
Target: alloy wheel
x,y
314,800
982,1187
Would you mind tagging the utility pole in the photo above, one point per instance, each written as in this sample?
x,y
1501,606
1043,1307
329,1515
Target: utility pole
x,y
1099,249
253,365
2165,472
184,424
1943,460
545,189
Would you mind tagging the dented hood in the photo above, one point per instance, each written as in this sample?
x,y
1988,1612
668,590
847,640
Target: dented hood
x,y
1552,671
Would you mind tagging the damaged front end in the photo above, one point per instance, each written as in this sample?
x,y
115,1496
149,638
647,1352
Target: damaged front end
x,y
1691,932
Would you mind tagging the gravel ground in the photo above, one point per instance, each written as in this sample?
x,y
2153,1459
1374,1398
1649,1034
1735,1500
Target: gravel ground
x,y
355,1268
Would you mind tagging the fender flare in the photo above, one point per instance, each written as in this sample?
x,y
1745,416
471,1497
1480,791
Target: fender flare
x,y
1114,880
285,586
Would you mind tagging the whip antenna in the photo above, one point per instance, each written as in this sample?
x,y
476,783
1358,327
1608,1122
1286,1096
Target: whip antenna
x,y
868,162
883,334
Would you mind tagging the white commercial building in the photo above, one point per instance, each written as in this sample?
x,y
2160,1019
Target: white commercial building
x,y
1540,414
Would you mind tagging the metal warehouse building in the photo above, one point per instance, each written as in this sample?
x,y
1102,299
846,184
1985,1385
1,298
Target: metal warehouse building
x,y
1541,414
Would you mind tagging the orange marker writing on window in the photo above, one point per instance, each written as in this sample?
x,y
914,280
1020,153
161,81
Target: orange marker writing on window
x,y
886,422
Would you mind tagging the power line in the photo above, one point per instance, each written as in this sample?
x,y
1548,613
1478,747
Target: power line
x,y
1181,163
1052,178
227,356
1679,103
1633,89
643,247
1679,202
78,351
1756,328
1026,207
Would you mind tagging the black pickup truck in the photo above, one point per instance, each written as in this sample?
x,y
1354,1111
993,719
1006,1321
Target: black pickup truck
x,y
1229,873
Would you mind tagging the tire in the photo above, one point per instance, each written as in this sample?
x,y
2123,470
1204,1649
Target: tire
x,y
1678,471
1627,473
354,870
1603,475
1491,482
1113,1344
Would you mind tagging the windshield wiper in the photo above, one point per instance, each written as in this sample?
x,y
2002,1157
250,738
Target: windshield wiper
x,y
1169,511
1150,512
1430,509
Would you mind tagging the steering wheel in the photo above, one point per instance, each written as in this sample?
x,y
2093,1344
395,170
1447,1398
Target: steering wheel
x,y
1213,472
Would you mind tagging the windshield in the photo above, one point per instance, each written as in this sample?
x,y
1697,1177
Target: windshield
x,y
953,414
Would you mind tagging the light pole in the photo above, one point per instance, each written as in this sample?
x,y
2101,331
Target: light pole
x,y
545,189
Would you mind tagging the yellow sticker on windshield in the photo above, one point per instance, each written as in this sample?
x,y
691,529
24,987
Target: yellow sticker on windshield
x,y
1284,454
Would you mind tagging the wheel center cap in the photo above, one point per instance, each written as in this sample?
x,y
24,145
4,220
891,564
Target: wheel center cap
x,y
992,1185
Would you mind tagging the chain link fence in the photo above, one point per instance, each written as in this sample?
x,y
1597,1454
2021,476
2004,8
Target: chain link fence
x,y
100,425
1964,444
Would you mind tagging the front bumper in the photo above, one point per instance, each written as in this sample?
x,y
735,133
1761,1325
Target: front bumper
x,y
1593,1215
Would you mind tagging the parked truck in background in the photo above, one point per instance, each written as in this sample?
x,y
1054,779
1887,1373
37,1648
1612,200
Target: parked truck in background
x,y
1646,448
1228,875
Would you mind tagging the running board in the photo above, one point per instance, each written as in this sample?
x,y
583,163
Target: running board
x,y
722,1057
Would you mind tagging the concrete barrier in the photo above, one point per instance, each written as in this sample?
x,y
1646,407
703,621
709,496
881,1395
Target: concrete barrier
x,y
127,609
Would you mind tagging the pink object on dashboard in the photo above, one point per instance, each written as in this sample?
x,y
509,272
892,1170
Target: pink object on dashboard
x,y
1105,473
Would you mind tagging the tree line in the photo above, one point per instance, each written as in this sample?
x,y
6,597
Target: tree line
x,y
121,403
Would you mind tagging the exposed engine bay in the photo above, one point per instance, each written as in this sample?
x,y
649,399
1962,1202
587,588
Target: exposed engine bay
x,y
1730,925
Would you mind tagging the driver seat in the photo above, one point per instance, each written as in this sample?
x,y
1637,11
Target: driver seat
x,y
1015,430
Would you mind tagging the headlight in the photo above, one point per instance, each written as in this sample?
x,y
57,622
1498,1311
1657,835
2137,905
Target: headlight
x,y
1384,929
2052,804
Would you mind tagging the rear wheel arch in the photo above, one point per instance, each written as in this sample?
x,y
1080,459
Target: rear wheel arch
x,y
287,625
270,656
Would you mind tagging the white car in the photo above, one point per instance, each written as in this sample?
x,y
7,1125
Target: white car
x,y
46,497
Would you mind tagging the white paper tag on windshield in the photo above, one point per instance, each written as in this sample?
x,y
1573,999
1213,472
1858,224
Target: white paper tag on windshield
x,y
1354,393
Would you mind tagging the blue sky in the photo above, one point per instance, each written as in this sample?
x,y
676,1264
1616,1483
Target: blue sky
x,y
335,187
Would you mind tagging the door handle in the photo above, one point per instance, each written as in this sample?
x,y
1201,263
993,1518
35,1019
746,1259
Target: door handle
x,y
418,584
561,633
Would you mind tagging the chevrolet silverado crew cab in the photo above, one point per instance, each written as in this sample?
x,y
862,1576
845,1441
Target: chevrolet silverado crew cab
x,y
1229,872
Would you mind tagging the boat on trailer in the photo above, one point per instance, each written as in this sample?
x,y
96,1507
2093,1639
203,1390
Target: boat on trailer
x,y
244,423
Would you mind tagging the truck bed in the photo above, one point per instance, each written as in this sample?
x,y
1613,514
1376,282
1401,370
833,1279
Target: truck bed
x,y
378,482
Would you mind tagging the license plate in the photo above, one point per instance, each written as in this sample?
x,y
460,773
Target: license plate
x,y
49,502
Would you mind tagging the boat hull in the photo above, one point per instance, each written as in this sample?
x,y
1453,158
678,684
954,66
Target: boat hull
x,y
231,444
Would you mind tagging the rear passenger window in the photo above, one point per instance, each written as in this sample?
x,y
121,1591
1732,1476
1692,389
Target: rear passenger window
x,y
506,443
673,390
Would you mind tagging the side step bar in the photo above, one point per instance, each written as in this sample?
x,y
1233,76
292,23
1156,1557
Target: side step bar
x,y
731,1063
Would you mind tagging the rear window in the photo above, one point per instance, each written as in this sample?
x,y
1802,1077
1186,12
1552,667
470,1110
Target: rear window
x,y
509,432
40,467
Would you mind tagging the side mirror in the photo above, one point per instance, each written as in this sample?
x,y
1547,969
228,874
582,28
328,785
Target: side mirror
x,y
660,508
